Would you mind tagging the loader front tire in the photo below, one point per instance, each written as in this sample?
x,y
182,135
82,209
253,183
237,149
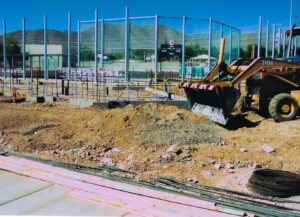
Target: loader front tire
x,y
283,107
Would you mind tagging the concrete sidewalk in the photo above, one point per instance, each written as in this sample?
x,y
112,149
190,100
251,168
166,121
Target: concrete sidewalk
x,y
21,195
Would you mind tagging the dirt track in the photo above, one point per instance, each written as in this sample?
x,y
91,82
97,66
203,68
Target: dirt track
x,y
154,140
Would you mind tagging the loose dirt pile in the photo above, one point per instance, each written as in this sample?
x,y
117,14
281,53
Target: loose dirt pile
x,y
153,140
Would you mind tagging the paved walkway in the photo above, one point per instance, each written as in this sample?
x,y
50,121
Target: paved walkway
x,y
21,195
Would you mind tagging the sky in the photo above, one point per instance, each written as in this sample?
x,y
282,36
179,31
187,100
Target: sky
x,y
239,13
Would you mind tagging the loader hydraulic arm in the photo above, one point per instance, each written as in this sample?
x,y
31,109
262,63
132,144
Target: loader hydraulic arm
x,y
211,75
264,65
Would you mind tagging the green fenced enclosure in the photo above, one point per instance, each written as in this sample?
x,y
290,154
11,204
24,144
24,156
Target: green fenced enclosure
x,y
136,47
156,45
272,39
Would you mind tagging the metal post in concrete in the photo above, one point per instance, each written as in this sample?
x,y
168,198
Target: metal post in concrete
x,y
102,42
45,48
78,42
273,41
96,44
126,47
183,48
230,45
267,39
209,42
69,45
259,36
279,41
284,46
156,48
24,47
4,47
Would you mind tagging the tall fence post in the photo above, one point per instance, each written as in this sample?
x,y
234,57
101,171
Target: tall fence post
x,y
284,46
230,45
273,41
69,45
221,31
267,39
78,43
4,47
209,42
239,44
24,47
126,48
156,48
96,45
102,42
183,48
259,36
279,41
295,49
45,48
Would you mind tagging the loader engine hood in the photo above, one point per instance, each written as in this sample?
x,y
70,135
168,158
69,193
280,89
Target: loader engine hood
x,y
211,100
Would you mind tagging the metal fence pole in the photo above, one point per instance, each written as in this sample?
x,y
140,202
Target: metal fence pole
x,y
279,41
239,44
273,41
126,47
183,48
221,30
4,47
259,36
45,48
230,45
156,48
209,42
102,42
284,46
96,44
78,43
24,47
267,39
69,45
295,50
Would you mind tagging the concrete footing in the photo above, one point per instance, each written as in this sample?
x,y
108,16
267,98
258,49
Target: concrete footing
x,y
50,99
82,103
7,94
36,99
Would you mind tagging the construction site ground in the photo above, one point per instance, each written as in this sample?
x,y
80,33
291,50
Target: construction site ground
x,y
152,140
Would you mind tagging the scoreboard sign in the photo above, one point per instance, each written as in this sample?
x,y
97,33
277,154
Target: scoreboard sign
x,y
171,50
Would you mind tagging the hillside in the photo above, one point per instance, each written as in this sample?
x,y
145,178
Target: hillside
x,y
141,37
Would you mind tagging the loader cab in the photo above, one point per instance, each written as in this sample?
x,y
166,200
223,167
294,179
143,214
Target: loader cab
x,y
292,51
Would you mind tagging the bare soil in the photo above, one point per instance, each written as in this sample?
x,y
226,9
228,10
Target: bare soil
x,y
154,140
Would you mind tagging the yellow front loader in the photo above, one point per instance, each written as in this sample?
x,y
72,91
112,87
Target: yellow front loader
x,y
275,85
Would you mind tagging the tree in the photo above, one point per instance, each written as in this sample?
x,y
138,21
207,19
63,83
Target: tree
x,y
194,50
86,55
13,52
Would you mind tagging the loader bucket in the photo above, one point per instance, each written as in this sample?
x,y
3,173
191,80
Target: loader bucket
x,y
212,101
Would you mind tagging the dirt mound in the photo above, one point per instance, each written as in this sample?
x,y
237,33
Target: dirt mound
x,y
155,123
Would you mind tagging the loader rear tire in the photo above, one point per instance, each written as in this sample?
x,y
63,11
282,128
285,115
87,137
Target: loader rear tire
x,y
283,107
